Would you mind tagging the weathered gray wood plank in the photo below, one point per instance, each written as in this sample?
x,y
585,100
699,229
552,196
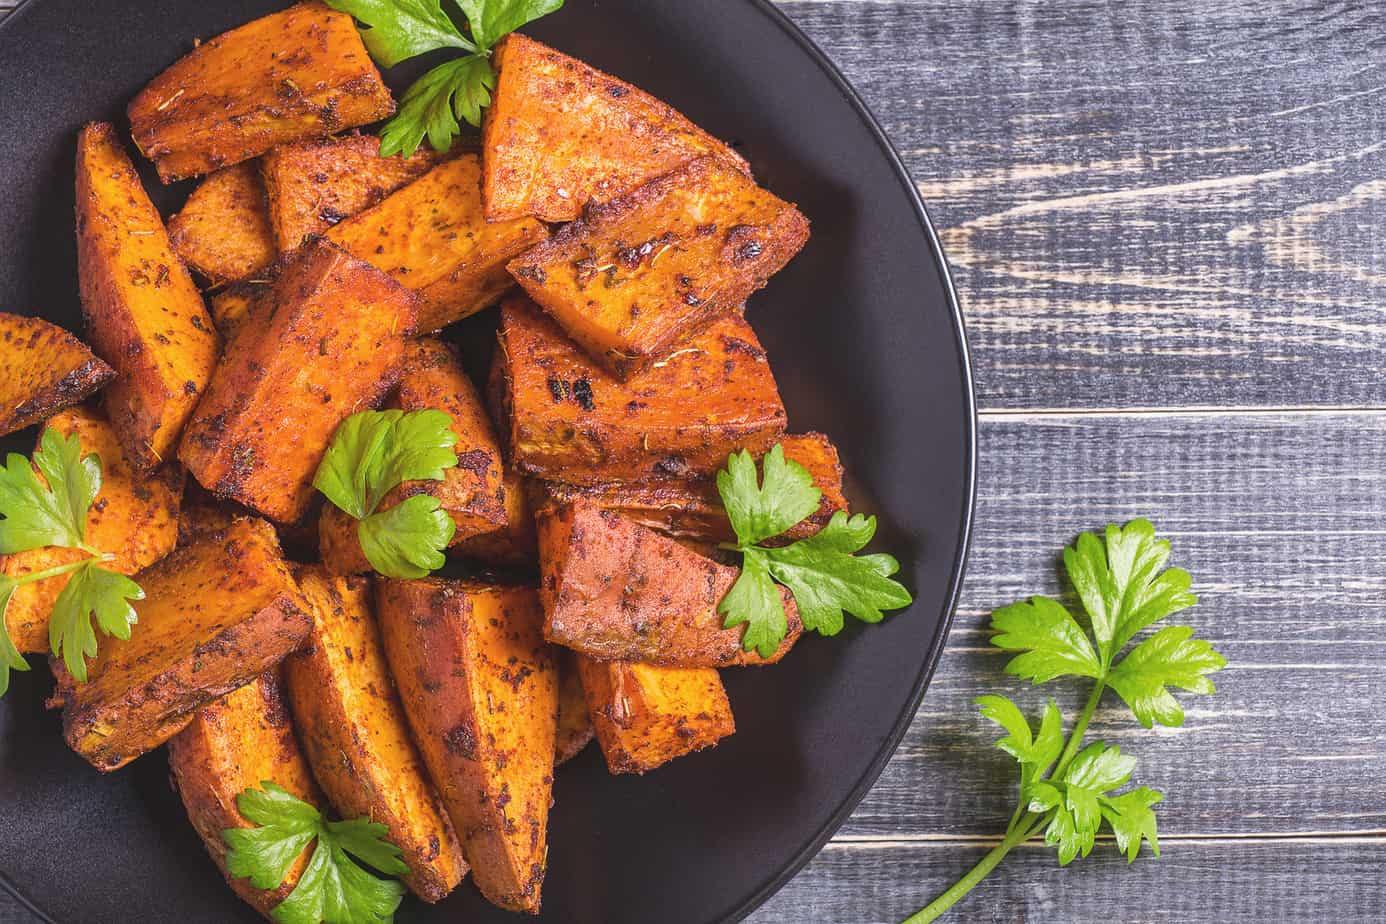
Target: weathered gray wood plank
x,y
1228,881
1146,203
1280,521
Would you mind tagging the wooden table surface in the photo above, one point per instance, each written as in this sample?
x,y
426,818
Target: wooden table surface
x,y
1167,222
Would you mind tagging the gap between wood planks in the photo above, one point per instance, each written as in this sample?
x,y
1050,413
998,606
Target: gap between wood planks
x,y
1213,410
890,842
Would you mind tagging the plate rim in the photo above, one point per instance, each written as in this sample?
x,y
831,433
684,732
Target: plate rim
x,y
810,849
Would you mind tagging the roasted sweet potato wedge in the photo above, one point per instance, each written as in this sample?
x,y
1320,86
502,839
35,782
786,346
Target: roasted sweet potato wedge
x,y
315,184
693,510
481,691
144,315
560,133
616,591
575,730
570,421
431,237
134,518
43,369
297,74
645,716
635,276
514,544
234,744
216,615
357,738
472,493
223,231
326,341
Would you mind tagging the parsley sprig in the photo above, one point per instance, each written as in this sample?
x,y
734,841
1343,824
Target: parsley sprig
x,y
370,455
333,889
1067,790
48,507
823,571
396,30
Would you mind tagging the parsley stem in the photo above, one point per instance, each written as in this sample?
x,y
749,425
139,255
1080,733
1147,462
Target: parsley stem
x,y
1080,728
51,572
973,876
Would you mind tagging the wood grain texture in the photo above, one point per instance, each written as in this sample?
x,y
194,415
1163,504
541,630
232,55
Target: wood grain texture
x,y
1145,203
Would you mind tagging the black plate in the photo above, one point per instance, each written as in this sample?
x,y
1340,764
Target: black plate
x,y
867,343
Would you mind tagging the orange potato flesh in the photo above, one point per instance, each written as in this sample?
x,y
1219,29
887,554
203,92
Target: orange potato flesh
x,y
575,730
472,493
560,133
134,518
635,276
216,614
431,237
223,230
615,591
234,744
570,421
480,689
315,184
646,716
144,315
693,510
326,341
43,369
357,738
293,75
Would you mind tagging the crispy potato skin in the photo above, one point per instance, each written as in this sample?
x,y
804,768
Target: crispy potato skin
x,y
645,716
357,738
234,744
144,315
693,511
615,591
325,342
315,184
43,369
560,133
472,493
134,518
575,730
223,231
297,74
481,691
431,237
570,421
637,275
216,614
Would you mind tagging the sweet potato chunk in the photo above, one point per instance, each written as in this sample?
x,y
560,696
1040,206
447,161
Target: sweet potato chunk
x,y
326,341
297,74
431,237
223,231
357,738
645,716
472,493
144,315
235,744
560,133
693,510
315,184
570,421
216,614
575,730
637,275
134,518
616,591
481,692
514,544
43,369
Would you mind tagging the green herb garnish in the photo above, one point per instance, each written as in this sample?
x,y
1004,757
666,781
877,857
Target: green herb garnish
x,y
1066,790
370,455
52,511
822,571
396,30
333,889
